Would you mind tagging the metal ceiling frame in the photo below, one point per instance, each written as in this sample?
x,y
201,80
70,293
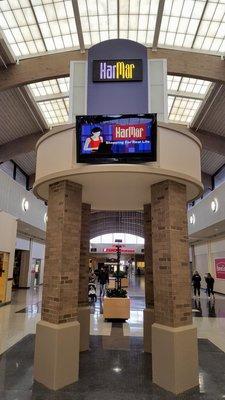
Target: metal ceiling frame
x,y
78,25
158,24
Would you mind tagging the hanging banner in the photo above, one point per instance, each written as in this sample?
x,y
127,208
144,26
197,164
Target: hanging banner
x,y
220,268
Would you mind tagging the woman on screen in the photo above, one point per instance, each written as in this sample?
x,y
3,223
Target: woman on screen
x,y
94,140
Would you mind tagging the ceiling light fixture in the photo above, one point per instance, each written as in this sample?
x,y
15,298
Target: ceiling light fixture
x,y
214,205
192,219
25,204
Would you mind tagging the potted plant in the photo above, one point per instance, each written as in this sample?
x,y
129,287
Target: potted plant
x,y
122,276
116,303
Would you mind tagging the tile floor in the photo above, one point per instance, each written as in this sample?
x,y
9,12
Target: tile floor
x,y
116,367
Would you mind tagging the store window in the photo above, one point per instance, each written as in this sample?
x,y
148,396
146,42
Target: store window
x,y
111,237
4,267
15,172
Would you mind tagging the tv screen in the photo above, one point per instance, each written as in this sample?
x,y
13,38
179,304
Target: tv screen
x,y
116,138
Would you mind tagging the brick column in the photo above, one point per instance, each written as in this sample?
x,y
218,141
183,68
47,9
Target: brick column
x,y
83,306
57,340
149,291
172,333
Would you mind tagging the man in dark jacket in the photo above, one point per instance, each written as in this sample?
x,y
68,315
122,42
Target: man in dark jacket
x,y
103,279
196,280
210,285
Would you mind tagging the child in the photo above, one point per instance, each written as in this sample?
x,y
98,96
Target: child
x,y
92,293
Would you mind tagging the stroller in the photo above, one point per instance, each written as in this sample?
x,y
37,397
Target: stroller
x,y
92,292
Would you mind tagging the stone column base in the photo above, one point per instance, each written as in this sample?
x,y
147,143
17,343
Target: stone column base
x,y
175,357
56,360
84,320
149,319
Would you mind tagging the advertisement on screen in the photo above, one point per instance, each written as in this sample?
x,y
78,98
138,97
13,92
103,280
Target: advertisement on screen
x,y
220,268
116,138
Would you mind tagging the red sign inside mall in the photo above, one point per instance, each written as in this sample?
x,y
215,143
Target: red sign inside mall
x,y
114,250
129,132
220,268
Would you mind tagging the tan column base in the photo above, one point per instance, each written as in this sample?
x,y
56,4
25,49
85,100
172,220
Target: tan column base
x,y
56,360
175,357
84,320
149,319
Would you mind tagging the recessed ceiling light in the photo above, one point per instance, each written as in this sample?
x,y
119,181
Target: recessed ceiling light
x,y
192,219
214,205
25,205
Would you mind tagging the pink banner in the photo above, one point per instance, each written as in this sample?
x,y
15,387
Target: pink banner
x,y
220,268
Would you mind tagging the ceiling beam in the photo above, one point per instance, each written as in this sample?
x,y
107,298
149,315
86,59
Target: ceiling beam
x,y
191,64
210,141
78,25
53,96
188,95
158,24
6,56
22,145
35,112
57,65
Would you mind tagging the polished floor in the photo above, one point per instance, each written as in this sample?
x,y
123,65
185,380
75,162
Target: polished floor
x,y
116,366
107,373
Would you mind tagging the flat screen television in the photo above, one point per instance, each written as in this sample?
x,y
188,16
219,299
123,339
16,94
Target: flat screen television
x,y
126,138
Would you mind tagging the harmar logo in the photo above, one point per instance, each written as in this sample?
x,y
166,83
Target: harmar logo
x,y
117,70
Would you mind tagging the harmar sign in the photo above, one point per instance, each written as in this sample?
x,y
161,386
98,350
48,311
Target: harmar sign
x,y
117,70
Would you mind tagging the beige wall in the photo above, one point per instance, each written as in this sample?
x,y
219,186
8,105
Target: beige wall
x,y
36,250
205,256
56,160
8,228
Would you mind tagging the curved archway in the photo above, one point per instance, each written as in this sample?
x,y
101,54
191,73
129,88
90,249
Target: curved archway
x,y
107,222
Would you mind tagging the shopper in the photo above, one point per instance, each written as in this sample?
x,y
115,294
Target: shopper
x,y
196,280
210,284
103,279
92,277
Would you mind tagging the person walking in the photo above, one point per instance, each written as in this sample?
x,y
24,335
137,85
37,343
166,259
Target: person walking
x,y
210,285
103,279
196,280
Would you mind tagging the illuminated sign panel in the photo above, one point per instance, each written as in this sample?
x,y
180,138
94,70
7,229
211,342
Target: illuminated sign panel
x,y
117,71
129,132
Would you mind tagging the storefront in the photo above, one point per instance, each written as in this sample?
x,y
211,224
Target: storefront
x,y
4,269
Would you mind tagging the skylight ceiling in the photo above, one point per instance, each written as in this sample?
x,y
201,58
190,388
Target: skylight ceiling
x,y
198,24
181,109
185,95
138,20
55,111
188,85
98,20
36,26
52,99
39,26
53,86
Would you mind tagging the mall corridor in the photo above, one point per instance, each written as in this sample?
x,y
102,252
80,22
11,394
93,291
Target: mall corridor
x,y
115,367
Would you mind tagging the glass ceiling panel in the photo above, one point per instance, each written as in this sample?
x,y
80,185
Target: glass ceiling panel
x,y
189,85
181,109
53,86
36,26
180,22
211,32
98,20
138,19
55,111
